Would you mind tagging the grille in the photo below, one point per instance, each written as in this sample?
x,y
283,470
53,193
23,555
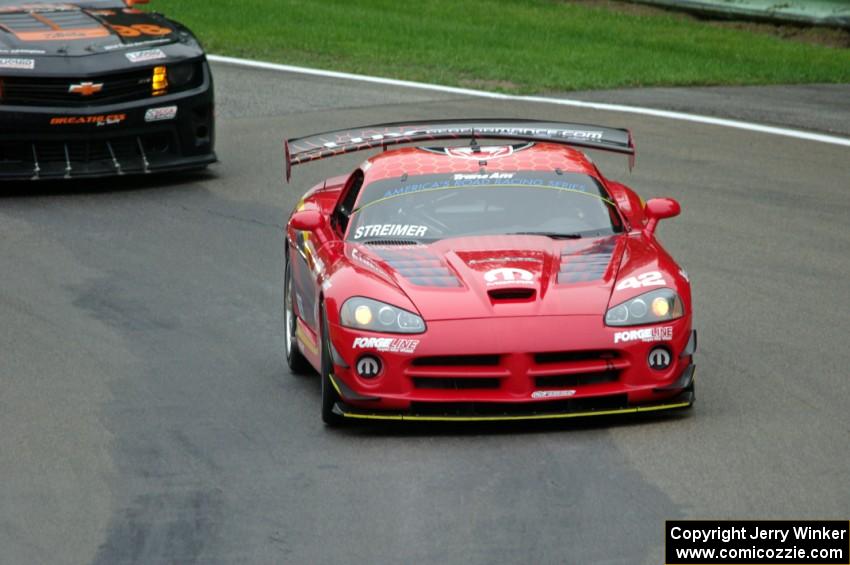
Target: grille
x,y
448,383
574,356
507,408
578,379
392,242
118,87
456,361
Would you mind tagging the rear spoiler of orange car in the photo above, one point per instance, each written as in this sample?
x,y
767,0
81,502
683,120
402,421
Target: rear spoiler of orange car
x,y
333,143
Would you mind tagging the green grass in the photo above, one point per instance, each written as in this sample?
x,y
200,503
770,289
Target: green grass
x,y
509,45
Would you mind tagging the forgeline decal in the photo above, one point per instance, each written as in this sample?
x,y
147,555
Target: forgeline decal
x,y
552,393
161,114
386,344
103,120
390,230
652,278
664,333
143,56
18,64
508,276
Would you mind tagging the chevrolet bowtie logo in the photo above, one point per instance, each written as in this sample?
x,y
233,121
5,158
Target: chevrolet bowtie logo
x,y
85,88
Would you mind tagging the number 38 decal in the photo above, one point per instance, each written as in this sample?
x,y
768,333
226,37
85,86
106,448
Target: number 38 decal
x,y
652,278
141,29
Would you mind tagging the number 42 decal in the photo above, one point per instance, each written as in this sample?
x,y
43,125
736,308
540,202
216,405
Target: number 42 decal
x,y
652,278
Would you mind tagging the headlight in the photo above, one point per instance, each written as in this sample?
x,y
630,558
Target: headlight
x,y
367,314
657,306
181,75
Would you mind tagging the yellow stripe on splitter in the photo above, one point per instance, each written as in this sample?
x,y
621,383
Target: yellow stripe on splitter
x,y
414,417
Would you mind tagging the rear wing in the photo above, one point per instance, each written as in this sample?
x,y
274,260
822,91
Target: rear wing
x,y
334,143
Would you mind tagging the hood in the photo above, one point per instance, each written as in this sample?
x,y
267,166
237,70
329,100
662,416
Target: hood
x,y
70,30
479,277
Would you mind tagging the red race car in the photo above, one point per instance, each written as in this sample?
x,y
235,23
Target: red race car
x,y
481,281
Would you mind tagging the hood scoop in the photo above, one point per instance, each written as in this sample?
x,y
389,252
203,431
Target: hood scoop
x,y
518,294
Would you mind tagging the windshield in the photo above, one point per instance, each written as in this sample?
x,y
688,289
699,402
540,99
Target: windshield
x,y
431,207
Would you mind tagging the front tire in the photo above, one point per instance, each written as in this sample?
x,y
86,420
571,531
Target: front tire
x,y
329,394
298,364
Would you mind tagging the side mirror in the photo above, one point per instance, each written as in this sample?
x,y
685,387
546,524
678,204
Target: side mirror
x,y
307,220
660,209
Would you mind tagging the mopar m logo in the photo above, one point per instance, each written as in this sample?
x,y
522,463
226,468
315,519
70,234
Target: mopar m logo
x,y
507,275
659,358
368,367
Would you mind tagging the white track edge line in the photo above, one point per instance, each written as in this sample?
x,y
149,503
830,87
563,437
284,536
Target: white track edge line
x,y
681,116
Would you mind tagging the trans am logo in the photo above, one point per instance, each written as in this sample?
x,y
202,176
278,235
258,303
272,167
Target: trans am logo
x,y
484,176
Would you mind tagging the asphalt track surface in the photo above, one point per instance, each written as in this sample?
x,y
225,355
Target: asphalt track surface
x,y
146,414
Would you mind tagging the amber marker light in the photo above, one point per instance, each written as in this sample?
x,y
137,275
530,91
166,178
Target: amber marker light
x,y
660,307
159,86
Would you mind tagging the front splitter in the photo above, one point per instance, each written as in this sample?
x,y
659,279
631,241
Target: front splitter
x,y
680,402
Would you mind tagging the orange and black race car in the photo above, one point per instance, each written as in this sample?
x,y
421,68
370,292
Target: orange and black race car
x,y
97,88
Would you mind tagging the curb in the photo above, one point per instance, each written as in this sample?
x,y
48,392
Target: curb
x,y
833,13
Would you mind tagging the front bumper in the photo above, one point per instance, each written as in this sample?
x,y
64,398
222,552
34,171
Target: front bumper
x,y
39,142
514,369
682,401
